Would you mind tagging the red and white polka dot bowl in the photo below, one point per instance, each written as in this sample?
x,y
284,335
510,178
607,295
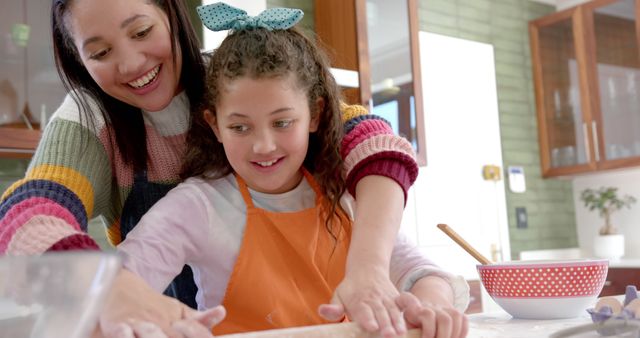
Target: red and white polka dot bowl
x,y
545,289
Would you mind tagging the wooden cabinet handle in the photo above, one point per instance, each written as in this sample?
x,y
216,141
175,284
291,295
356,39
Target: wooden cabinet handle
x,y
594,133
585,131
608,283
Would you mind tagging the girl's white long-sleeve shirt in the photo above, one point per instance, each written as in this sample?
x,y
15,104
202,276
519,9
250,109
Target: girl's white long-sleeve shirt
x,y
201,223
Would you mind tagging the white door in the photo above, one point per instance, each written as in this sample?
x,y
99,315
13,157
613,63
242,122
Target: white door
x,y
462,135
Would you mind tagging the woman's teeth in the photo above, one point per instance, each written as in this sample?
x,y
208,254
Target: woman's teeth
x,y
267,164
144,80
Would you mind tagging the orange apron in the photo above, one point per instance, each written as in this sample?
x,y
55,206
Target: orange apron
x,y
287,266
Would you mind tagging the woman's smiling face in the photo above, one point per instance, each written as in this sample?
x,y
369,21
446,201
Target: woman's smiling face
x,y
126,47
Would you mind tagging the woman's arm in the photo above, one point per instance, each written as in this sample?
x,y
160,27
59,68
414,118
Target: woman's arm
x,y
380,167
370,148
366,294
68,181
377,220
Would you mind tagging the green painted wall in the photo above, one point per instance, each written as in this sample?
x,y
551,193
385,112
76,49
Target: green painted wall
x,y
503,23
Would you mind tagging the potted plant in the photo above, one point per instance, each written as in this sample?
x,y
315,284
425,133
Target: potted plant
x,y
609,243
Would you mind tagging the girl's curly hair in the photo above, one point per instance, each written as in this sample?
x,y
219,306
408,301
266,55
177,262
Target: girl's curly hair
x,y
260,53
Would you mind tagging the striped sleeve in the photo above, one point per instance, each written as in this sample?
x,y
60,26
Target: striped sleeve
x,y
49,208
371,148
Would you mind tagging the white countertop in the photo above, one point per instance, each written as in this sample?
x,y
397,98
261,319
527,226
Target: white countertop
x,y
624,263
502,325
499,324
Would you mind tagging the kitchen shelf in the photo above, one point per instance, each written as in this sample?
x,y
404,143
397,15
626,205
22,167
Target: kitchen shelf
x,y
18,142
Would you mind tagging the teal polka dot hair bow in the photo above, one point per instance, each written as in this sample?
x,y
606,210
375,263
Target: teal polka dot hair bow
x,y
220,16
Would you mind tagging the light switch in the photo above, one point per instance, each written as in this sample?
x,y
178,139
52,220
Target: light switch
x,y
521,218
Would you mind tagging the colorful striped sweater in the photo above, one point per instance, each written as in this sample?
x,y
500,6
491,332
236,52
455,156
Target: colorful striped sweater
x,y
77,173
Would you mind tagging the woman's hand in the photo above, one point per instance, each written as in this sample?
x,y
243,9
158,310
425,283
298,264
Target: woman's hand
x,y
134,309
366,294
369,300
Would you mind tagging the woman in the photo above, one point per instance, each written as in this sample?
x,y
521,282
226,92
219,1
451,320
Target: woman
x,y
114,147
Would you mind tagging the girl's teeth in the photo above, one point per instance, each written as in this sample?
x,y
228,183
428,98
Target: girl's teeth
x,y
267,164
141,82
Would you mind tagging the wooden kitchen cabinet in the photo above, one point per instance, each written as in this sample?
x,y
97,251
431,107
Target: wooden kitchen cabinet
x,y
18,142
378,39
586,67
618,279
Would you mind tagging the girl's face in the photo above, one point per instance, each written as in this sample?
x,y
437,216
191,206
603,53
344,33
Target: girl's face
x,y
264,126
126,47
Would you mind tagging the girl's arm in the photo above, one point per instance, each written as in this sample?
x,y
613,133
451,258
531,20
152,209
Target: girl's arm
x,y
430,306
169,235
430,298
174,232
152,315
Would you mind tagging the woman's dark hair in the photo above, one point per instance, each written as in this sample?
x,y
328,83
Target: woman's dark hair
x,y
258,54
126,121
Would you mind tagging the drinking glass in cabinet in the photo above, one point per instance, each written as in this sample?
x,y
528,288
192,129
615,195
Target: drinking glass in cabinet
x,y
563,156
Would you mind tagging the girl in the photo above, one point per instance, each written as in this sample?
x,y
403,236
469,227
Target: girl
x,y
134,72
265,221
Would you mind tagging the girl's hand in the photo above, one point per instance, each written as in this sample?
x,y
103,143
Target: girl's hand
x,y
368,300
434,320
134,309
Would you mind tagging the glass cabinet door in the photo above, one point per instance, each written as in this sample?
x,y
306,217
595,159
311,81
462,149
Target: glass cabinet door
x,y
390,61
617,70
563,120
12,66
44,91
30,89
394,68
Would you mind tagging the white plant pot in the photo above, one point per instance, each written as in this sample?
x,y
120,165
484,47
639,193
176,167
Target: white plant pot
x,y
609,246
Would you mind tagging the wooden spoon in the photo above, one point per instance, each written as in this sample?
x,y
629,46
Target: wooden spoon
x,y
466,246
340,330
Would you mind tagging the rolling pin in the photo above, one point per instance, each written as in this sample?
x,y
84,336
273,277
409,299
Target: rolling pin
x,y
340,330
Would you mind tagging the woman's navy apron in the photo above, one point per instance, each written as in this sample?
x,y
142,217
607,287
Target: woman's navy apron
x,y
143,196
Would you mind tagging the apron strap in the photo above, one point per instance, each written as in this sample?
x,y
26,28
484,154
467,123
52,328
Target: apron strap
x,y
313,184
244,190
